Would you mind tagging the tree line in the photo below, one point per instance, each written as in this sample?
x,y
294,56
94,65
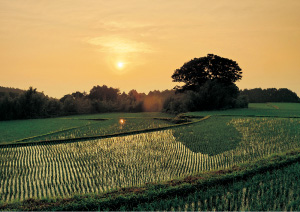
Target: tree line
x,y
209,84
258,95
33,104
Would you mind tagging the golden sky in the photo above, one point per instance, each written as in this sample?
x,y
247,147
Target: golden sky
x,y
63,46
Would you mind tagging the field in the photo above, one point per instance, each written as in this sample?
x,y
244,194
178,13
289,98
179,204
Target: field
x,y
288,110
77,126
225,140
12,131
271,191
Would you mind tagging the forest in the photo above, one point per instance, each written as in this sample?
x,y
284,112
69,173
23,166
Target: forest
x,y
258,95
20,104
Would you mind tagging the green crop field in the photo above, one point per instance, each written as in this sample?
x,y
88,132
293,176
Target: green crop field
x,y
106,127
226,139
16,130
105,164
258,109
77,126
288,106
271,191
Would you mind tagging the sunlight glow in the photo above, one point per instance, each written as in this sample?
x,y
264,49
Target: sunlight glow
x,y
122,121
120,64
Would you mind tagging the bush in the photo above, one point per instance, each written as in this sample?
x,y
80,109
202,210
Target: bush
x,y
175,104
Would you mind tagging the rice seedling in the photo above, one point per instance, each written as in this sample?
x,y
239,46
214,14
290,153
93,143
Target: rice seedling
x,y
104,164
271,191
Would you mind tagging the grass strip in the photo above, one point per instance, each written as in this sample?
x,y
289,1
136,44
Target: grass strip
x,y
273,106
53,132
132,197
85,138
260,116
50,133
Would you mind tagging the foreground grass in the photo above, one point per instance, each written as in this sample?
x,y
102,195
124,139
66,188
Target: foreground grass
x,y
274,190
237,188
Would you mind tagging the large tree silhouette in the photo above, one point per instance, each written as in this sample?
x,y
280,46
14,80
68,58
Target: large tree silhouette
x,y
198,71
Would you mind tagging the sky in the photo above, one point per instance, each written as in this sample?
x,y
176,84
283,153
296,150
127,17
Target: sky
x,y
63,46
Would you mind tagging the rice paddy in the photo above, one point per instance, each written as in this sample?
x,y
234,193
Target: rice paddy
x,y
100,165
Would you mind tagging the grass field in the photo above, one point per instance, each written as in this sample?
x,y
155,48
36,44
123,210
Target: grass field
x,y
16,130
258,109
77,126
111,126
100,165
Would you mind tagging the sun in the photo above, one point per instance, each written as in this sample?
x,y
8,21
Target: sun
x,y
122,121
120,65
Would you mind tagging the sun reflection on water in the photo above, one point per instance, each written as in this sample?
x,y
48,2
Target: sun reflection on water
x,y
122,122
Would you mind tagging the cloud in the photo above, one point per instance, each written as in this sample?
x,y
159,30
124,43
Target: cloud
x,y
117,25
119,45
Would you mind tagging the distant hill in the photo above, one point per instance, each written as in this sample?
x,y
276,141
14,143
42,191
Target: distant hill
x,y
258,95
12,92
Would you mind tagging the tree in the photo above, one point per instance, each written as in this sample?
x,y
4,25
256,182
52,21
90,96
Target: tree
x,y
69,105
213,96
258,95
209,84
54,107
198,71
32,104
136,101
104,93
6,107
